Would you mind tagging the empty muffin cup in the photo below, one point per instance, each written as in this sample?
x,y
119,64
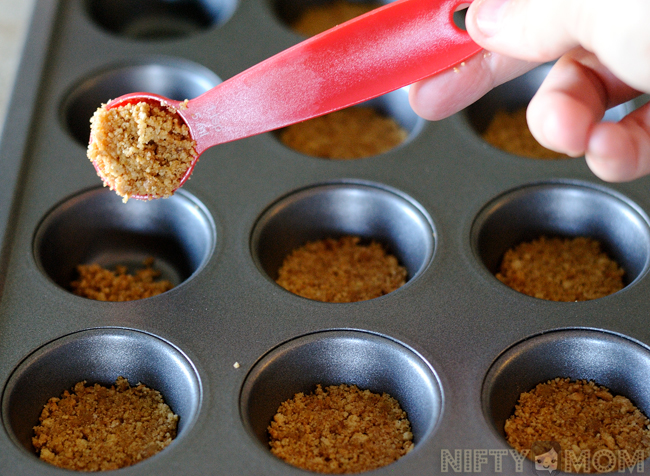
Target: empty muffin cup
x,y
608,359
169,77
368,211
369,361
159,19
564,210
98,356
95,227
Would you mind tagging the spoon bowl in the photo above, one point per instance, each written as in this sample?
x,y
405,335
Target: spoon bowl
x,y
154,100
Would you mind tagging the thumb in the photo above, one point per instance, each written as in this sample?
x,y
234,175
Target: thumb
x,y
543,30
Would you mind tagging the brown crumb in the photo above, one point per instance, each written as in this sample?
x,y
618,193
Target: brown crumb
x,y
340,429
561,269
341,270
102,284
582,418
351,133
96,428
316,19
509,131
140,150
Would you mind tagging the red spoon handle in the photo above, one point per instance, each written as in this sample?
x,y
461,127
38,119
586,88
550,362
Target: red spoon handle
x,y
371,55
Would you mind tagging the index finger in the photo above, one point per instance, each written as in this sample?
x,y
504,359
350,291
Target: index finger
x,y
450,91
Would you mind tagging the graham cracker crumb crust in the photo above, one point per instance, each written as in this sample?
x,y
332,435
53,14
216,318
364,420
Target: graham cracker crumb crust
x,y
508,131
141,150
341,270
340,429
561,269
581,418
316,19
351,133
95,428
100,284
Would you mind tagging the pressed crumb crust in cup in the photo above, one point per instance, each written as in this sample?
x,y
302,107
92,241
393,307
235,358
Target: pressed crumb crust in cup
x,y
140,150
561,269
594,430
94,428
341,270
508,131
316,19
351,133
340,429
100,284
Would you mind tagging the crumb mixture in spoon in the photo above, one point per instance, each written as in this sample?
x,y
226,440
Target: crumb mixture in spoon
x,y
140,150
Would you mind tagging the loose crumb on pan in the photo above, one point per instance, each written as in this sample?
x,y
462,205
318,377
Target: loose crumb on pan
x,y
316,19
561,269
340,429
95,428
351,133
508,131
140,149
341,270
101,284
583,418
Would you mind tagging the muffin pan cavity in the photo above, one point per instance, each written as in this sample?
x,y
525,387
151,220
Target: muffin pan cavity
x,y
565,210
98,356
334,357
170,77
159,19
510,96
288,11
516,94
395,105
392,108
96,227
369,211
608,359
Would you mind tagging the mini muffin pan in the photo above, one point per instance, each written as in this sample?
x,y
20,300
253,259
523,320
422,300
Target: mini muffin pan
x,y
227,345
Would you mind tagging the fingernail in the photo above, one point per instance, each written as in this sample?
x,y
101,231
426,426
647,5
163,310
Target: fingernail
x,y
490,15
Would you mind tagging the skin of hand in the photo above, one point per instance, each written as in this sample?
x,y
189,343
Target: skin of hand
x,y
604,60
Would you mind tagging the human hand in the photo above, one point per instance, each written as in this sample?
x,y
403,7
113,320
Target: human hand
x,y
604,60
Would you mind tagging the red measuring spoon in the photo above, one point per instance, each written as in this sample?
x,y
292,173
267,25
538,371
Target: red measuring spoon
x,y
368,56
